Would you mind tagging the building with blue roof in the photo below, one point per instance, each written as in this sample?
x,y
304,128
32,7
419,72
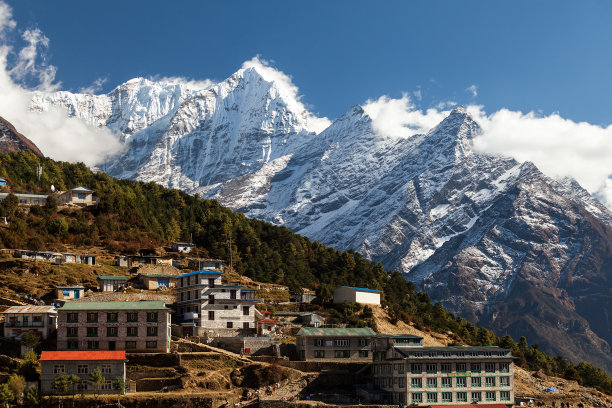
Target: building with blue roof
x,y
353,294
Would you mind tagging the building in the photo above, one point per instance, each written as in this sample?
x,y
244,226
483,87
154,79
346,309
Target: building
x,y
334,344
153,281
37,319
307,296
121,260
203,303
68,257
81,364
132,326
69,292
2,182
407,373
79,195
266,326
27,199
312,319
352,294
205,264
111,283
182,247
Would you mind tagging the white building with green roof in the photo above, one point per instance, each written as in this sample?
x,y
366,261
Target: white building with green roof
x,y
142,326
334,344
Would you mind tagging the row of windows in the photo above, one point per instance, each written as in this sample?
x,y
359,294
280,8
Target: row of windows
x,y
193,280
380,356
340,342
95,345
82,369
475,396
111,317
447,382
112,331
340,353
434,368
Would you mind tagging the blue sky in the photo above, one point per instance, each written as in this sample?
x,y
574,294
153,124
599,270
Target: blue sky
x,y
546,56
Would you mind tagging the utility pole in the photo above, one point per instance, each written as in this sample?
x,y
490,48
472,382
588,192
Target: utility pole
x,y
230,252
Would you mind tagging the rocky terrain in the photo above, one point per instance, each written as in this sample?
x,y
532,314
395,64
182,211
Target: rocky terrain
x,y
490,238
13,141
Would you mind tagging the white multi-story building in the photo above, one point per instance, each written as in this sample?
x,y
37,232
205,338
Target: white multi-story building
x,y
352,294
37,319
204,304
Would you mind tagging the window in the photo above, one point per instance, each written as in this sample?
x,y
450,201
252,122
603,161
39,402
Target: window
x,y
490,367
112,331
302,354
105,368
417,397
245,325
504,367
82,196
460,354
72,317
211,283
318,342
447,382
58,369
72,332
92,317
230,325
92,332
82,386
446,367
363,353
461,382
432,397
211,299
489,381
504,381
151,344
132,331
72,345
130,345
132,317
152,331
462,397
363,342
416,368
460,367
319,354
447,397
342,354
399,368
112,317
504,395
487,354
401,382
151,316
342,343
432,382
211,315
246,310
476,382
476,396
416,382
490,395
82,369
107,386
93,345
475,367
431,368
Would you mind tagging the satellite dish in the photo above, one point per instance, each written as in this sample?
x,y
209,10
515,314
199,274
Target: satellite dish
x,y
52,187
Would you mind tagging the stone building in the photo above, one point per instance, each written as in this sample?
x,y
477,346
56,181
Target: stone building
x,y
142,326
38,319
203,303
81,364
352,294
334,344
153,281
407,373
111,283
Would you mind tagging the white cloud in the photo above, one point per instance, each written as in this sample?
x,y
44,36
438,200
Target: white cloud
x,y
288,89
95,87
195,84
398,118
446,105
418,94
473,89
56,134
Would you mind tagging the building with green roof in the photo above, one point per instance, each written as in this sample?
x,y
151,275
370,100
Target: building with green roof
x,y
335,344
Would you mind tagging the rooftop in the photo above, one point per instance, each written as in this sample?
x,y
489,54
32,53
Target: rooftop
x,y
362,289
81,189
30,309
88,355
70,287
399,336
142,305
335,332
26,195
202,272
267,321
158,275
121,278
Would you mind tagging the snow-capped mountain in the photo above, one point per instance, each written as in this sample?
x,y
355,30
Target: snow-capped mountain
x,y
492,239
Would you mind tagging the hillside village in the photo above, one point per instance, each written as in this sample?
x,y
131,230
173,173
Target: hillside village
x,y
171,323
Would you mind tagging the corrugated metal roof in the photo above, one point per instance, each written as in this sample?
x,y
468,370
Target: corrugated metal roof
x,y
25,195
88,355
335,332
142,305
202,272
81,188
121,278
70,287
400,336
362,289
158,275
30,309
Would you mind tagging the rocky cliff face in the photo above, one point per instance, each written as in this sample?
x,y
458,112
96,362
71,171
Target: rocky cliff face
x,y
492,239
13,141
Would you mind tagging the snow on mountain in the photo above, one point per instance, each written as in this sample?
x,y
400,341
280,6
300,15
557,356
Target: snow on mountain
x,y
478,231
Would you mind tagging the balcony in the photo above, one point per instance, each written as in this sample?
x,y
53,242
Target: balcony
x,y
22,324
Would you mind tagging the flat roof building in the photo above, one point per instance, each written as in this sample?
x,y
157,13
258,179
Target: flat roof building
x,y
81,364
142,326
353,294
69,292
111,283
334,344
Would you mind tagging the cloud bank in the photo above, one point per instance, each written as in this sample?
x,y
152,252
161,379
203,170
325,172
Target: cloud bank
x,y
26,70
559,147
